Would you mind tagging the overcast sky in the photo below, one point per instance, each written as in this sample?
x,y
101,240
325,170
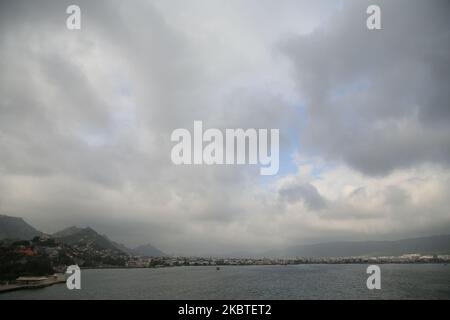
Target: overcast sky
x,y
364,119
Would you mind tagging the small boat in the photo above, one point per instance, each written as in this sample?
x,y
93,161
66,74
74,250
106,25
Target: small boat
x,y
217,268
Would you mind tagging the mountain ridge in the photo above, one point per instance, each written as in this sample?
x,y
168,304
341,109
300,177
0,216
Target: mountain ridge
x,y
16,228
148,250
86,236
438,244
72,235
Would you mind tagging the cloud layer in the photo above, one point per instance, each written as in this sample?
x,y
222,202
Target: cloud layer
x,y
86,118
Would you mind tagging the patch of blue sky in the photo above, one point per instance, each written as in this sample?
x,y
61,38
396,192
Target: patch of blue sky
x,y
318,166
289,144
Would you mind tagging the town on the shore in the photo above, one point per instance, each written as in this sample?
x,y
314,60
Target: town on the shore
x,y
148,262
45,255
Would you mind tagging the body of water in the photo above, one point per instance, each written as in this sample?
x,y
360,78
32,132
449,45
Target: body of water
x,y
414,281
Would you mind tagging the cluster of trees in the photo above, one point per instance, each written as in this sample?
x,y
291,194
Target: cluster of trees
x,y
14,264
31,258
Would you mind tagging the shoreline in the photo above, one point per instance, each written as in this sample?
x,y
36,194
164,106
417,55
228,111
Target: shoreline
x,y
260,265
46,283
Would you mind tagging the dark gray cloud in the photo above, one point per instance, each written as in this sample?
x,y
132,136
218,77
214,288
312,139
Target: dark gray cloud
x,y
305,192
378,100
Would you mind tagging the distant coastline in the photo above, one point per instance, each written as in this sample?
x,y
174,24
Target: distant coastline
x,y
44,254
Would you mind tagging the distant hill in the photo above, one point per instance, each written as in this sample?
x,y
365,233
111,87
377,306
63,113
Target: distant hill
x,y
85,237
16,228
148,250
75,235
123,248
67,232
426,245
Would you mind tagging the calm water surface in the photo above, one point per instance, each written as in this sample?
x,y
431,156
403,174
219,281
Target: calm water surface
x,y
426,281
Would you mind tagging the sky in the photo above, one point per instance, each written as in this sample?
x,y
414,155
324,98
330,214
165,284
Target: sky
x,y
86,117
